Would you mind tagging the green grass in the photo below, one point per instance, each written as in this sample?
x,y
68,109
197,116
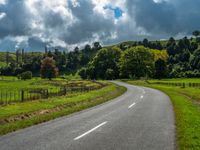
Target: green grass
x,y
10,87
70,104
180,80
186,104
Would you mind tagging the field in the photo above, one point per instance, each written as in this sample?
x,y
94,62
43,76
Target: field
x,y
17,115
14,90
186,104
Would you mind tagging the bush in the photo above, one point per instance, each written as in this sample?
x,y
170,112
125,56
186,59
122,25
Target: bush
x,y
26,75
110,74
83,73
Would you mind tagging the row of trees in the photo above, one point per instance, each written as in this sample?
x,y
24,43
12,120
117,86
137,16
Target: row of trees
x,y
184,57
158,59
67,62
135,62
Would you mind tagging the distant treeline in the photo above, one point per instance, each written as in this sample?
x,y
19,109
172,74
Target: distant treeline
x,y
156,59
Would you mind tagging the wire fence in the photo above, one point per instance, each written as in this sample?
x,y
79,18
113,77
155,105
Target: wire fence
x,y
183,85
7,97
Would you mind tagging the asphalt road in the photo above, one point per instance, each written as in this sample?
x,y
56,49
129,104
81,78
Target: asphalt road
x,y
141,119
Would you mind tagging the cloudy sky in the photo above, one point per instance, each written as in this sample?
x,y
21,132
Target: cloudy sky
x,y
32,24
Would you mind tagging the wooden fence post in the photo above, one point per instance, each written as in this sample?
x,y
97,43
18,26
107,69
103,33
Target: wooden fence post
x,y
22,95
183,85
47,93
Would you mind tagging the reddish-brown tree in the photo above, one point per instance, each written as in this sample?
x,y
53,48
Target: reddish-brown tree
x,y
48,68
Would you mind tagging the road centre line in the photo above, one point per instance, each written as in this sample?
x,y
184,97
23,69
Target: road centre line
x,y
88,132
131,105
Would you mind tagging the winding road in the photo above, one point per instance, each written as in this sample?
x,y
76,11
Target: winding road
x,y
140,119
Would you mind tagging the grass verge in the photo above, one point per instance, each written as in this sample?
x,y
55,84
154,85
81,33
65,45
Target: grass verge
x,y
187,113
70,105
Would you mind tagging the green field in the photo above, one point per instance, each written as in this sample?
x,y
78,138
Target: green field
x,y
192,80
11,88
20,115
12,83
186,104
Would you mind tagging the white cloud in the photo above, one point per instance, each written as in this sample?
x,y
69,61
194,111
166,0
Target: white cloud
x,y
2,15
3,2
68,23
75,3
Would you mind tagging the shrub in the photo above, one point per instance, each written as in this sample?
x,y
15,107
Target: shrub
x,y
26,75
83,73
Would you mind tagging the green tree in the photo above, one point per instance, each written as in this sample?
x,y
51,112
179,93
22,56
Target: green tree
x,y
196,33
106,58
48,68
195,62
137,62
110,73
83,73
160,69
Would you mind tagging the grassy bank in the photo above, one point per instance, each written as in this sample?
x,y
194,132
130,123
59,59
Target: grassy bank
x,y
186,103
21,115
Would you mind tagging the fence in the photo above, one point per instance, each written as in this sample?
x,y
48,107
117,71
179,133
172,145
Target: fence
x,y
7,97
193,85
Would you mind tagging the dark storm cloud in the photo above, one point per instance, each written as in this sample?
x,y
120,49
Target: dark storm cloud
x,y
16,21
168,17
70,22
88,24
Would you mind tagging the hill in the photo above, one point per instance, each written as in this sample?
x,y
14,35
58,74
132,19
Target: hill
x,y
183,57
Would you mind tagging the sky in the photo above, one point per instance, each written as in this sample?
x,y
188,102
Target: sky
x,y
65,24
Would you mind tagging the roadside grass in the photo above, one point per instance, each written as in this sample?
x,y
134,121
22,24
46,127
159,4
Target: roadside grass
x,y
186,104
68,105
179,80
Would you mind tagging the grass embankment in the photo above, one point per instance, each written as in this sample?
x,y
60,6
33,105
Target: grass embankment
x,y
21,115
186,103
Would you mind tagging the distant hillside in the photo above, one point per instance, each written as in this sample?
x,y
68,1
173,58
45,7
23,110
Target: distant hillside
x,y
183,58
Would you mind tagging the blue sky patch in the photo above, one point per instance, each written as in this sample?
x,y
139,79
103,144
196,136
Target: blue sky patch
x,y
118,12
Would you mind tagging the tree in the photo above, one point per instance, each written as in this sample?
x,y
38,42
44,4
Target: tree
x,y
110,73
145,43
83,73
171,46
160,69
195,62
48,68
137,62
96,46
7,57
196,33
106,58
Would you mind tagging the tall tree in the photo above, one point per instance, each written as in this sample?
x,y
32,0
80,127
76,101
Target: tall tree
x,y
106,58
137,62
48,68
7,58
160,69
196,33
